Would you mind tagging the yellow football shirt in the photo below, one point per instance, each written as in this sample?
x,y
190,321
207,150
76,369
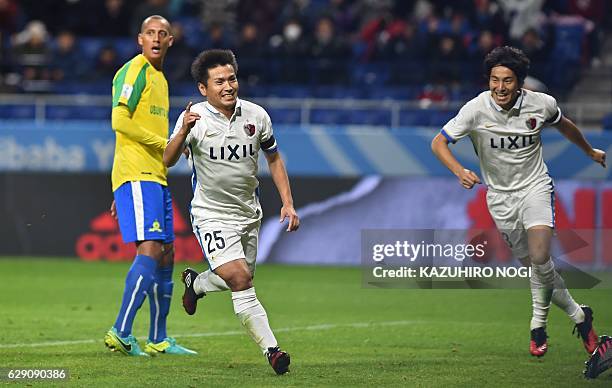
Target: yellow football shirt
x,y
144,90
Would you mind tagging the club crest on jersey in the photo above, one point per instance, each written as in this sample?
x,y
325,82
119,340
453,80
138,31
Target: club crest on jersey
x,y
249,129
531,123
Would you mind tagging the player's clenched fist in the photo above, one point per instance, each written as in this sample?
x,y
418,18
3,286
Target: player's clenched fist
x,y
189,118
468,178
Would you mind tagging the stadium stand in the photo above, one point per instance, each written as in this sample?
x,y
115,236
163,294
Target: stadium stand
x,y
364,50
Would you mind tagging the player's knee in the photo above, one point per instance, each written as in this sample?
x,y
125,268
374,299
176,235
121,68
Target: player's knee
x,y
539,252
240,280
153,249
167,255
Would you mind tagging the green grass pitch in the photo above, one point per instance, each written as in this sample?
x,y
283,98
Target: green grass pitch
x,y
54,314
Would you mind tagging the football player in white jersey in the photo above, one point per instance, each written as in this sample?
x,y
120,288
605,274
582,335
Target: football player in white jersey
x,y
504,125
224,135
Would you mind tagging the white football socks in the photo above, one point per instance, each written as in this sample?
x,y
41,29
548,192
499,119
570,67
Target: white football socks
x,y
542,286
209,281
562,299
254,318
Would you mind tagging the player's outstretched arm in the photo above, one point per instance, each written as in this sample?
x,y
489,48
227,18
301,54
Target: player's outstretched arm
x,y
439,146
176,145
281,180
573,134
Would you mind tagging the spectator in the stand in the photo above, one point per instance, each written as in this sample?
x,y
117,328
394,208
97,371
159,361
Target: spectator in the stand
x,y
459,24
112,19
177,66
448,49
401,45
594,10
219,38
294,41
261,13
31,53
487,15
251,50
523,15
329,52
534,47
250,45
292,49
343,14
447,58
221,12
106,64
485,42
378,31
144,10
326,44
67,62
298,9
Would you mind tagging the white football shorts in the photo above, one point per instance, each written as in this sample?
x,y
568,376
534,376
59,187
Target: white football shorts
x,y
222,243
515,212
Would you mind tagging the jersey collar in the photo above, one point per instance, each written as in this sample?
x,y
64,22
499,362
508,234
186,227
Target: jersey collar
x,y
237,108
516,107
147,61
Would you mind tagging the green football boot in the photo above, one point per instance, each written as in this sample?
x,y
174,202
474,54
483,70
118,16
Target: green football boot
x,y
167,346
128,345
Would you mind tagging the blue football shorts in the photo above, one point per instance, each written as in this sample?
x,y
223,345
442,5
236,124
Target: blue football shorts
x,y
144,210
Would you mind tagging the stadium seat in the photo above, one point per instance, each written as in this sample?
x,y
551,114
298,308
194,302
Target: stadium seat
x,y
18,112
607,121
392,93
289,91
437,118
568,42
369,117
77,112
89,47
285,115
370,73
95,88
414,117
329,116
126,48
337,92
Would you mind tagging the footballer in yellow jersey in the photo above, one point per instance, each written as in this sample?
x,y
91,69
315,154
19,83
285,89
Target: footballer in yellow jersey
x,y
142,202
139,147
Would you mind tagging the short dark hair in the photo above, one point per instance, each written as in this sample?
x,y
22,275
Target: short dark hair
x,y
209,59
510,57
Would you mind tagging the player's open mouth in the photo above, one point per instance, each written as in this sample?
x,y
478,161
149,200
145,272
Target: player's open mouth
x,y
156,50
501,96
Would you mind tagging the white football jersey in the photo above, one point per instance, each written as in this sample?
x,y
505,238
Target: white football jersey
x,y
224,155
508,143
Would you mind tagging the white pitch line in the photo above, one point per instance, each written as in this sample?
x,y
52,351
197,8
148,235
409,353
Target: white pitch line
x,y
324,326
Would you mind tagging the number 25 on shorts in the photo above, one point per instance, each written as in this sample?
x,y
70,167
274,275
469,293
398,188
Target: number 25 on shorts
x,y
213,241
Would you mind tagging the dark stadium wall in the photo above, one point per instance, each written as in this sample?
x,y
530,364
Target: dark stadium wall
x,y
51,214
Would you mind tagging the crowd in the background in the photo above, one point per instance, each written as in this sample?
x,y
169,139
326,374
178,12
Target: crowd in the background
x,y
294,41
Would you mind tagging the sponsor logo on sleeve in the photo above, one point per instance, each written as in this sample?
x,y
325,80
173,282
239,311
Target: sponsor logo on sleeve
x,y
126,91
